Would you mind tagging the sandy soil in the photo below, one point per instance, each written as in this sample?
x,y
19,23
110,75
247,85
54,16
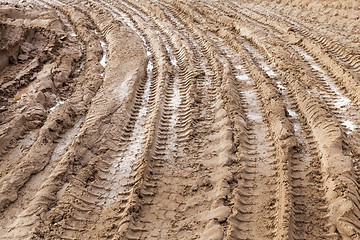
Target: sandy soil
x,y
179,119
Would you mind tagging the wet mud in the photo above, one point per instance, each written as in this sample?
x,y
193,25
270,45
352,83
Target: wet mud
x,y
179,119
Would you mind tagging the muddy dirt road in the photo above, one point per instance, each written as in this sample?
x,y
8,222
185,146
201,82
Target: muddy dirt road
x,y
182,119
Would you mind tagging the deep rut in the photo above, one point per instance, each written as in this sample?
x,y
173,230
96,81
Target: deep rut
x,y
179,119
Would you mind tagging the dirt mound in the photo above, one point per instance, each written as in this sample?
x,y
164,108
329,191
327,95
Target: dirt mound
x,y
179,119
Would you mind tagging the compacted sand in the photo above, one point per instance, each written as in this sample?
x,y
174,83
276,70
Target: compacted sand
x,y
187,119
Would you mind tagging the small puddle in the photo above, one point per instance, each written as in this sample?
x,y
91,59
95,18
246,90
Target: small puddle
x,y
292,113
243,77
297,127
253,114
103,59
294,116
280,87
261,60
349,124
41,3
254,111
59,102
103,47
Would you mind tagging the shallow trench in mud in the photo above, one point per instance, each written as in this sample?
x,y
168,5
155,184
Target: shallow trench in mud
x,y
179,119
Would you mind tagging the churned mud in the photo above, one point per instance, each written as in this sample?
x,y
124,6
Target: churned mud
x,y
179,119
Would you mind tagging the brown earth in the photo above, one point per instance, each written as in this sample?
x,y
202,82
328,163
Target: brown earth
x,y
184,119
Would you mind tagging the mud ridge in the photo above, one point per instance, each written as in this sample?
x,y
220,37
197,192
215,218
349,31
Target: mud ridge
x,y
179,119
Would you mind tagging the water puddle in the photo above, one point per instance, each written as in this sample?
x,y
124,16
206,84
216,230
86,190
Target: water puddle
x,y
297,127
173,60
342,102
280,87
292,113
58,103
254,111
349,125
243,77
103,47
295,119
103,59
261,60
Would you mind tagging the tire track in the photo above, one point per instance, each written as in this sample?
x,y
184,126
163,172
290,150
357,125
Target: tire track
x,y
307,191
340,105
257,75
188,120
34,195
352,144
349,57
256,181
68,228
37,192
175,115
114,179
341,62
221,174
270,73
219,210
341,100
319,132
335,27
174,61
129,205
